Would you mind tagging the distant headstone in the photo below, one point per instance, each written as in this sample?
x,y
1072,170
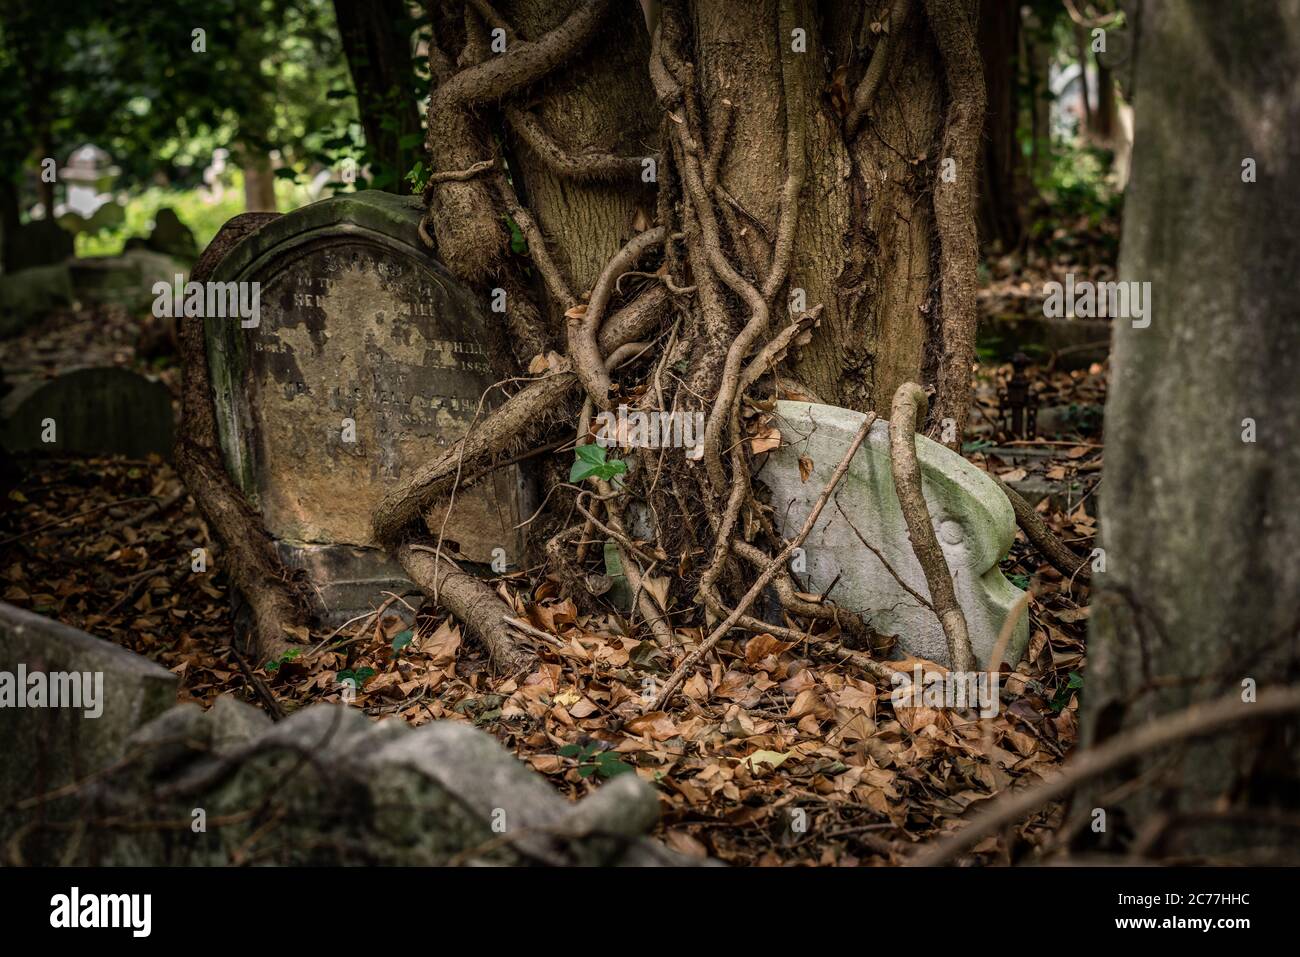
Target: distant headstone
x,y
29,296
99,411
368,360
972,518
127,280
172,237
42,242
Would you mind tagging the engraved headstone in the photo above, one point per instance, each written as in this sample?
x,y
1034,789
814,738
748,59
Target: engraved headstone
x,y
367,360
972,518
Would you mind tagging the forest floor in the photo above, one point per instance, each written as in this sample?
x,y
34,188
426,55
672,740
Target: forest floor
x,y
768,730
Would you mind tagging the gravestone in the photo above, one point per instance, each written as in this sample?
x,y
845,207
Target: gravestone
x,y
973,521
47,747
42,242
368,360
97,411
172,237
374,792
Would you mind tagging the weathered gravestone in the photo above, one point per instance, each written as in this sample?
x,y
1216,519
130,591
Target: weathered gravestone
x,y
368,359
972,518
55,726
326,786
98,411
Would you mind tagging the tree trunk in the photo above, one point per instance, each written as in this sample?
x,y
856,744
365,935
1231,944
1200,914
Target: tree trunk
x,y
660,192
259,180
1002,183
9,220
376,38
1199,521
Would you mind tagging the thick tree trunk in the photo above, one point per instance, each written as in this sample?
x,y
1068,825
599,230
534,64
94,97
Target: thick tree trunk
x,y
1199,519
687,178
376,38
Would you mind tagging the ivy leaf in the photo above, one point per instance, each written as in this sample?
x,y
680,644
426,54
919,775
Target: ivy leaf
x,y
402,639
518,245
590,460
610,765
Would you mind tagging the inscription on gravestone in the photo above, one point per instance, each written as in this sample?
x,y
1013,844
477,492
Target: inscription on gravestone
x,y
368,359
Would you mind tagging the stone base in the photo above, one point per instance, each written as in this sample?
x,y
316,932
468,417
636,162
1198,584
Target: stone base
x,y
348,581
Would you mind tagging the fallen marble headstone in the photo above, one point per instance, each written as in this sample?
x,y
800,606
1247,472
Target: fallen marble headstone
x,y
99,411
972,518
368,360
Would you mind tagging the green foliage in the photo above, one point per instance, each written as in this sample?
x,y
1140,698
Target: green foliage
x,y
402,639
518,244
126,77
192,207
590,461
274,665
592,760
358,677
1066,691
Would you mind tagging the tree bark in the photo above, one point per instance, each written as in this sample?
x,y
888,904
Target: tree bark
x,y
377,43
1199,526
1002,176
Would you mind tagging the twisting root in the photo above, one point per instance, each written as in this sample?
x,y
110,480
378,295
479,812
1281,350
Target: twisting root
x,y
687,666
908,409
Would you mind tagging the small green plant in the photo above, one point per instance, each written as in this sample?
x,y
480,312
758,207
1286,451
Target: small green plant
x,y
402,639
1066,691
274,665
418,177
358,677
590,460
591,760
518,244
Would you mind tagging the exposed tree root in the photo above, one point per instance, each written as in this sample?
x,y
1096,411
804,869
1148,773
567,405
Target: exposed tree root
x,y
908,410
953,26
1043,538
249,557
687,666
474,604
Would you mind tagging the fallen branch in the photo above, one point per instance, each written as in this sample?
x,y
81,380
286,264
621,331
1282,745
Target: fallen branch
x,y
1198,720
908,410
